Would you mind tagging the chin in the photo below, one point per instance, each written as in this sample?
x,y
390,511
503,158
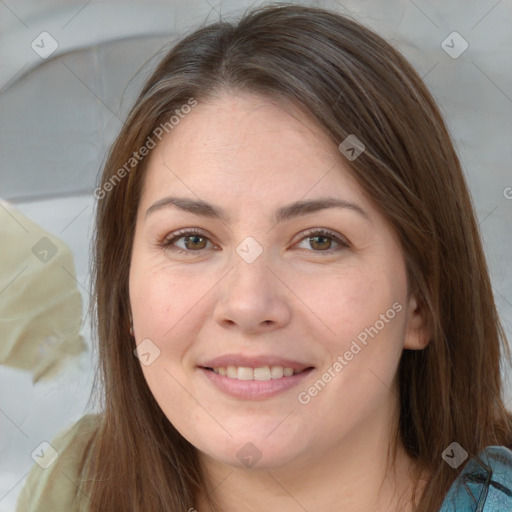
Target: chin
x,y
245,452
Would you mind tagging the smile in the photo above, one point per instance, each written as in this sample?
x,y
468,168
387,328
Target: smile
x,y
247,383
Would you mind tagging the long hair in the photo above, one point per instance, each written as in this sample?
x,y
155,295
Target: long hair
x,y
349,81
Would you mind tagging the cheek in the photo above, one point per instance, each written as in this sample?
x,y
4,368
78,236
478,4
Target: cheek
x,y
163,311
362,315
346,303
164,300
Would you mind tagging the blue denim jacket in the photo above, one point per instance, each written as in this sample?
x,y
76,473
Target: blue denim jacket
x,y
484,485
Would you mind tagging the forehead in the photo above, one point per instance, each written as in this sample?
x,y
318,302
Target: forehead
x,y
248,149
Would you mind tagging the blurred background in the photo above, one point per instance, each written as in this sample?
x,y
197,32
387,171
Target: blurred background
x,y
69,72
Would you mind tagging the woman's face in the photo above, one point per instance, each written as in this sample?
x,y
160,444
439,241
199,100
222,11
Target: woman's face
x,y
256,286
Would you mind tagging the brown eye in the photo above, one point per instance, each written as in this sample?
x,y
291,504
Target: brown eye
x,y
193,241
321,240
325,242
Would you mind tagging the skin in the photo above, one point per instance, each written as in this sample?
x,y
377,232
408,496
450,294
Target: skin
x,y
299,299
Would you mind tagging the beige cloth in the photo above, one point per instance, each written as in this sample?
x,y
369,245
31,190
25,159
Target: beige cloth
x,y
57,488
40,304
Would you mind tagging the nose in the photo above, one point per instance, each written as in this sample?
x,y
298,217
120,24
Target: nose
x,y
252,298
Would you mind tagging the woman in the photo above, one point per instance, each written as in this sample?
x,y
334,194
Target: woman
x,y
286,243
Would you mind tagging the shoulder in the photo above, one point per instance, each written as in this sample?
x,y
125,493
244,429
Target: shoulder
x,y
485,482
50,484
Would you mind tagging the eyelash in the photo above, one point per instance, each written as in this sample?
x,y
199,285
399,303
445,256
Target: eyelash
x,y
312,233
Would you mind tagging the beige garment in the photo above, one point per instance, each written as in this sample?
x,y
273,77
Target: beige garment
x,y
57,488
40,304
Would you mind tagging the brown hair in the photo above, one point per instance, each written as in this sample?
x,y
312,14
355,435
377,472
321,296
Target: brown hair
x,y
349,81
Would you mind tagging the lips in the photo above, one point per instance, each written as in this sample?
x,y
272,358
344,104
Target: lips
x,y
254,388
254,377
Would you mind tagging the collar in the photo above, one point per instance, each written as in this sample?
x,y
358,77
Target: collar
x,y
484,485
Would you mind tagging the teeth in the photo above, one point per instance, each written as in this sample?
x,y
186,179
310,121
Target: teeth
x,y
276,372
245,373
260,373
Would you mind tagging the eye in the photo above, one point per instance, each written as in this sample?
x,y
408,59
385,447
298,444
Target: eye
x,y
195,240
322,239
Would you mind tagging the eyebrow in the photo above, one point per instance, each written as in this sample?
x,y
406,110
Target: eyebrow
x,y
292,210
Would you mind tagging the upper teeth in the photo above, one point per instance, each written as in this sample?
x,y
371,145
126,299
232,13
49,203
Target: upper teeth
x,y
260,373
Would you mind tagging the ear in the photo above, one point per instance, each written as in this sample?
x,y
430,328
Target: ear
x,y
417,333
